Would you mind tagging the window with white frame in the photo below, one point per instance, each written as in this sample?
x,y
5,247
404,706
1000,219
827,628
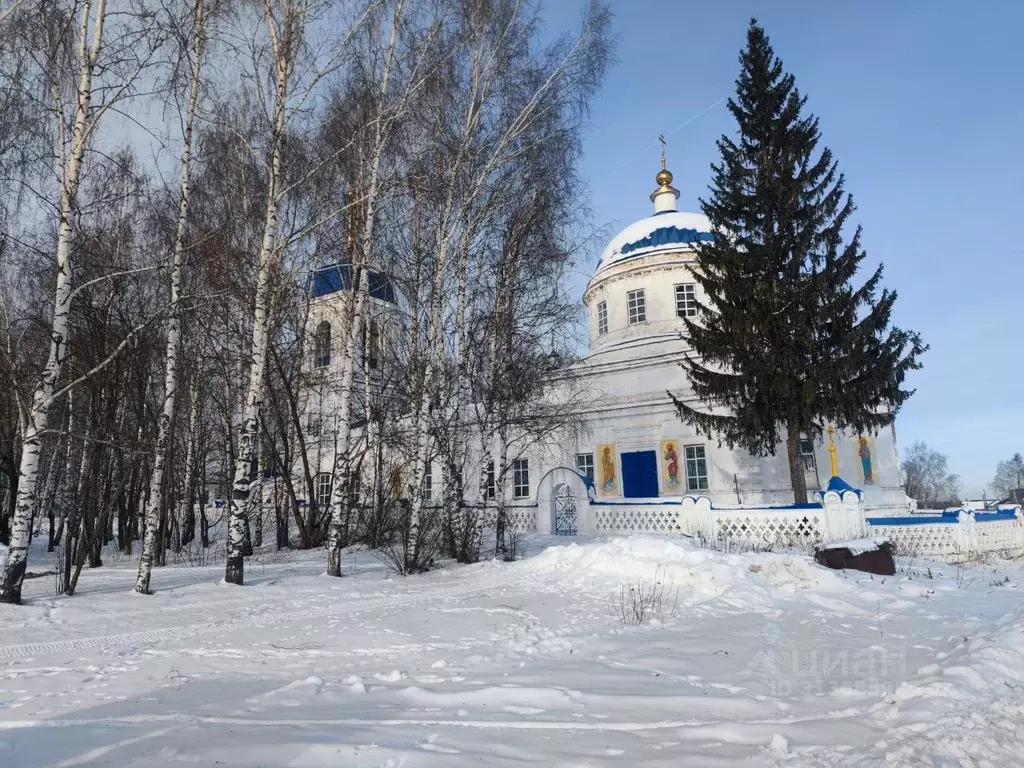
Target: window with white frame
x,y
696,468
602,318
323,491
428,484
521,478
585,465
686,300
636,306
490,480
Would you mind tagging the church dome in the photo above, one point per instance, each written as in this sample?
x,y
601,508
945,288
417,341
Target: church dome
x,y
668,229
664,231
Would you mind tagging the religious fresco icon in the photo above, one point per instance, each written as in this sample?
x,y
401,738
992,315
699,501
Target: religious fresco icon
x,y
670,466
865,447
607,473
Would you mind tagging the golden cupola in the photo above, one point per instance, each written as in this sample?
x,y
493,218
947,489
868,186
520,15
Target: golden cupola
x,y
665,196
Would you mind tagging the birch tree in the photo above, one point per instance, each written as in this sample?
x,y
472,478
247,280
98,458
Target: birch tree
x,y
154,504
502,66
76,124
296,71
384,115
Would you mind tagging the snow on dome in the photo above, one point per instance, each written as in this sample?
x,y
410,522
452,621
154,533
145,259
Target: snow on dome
x,y
661,232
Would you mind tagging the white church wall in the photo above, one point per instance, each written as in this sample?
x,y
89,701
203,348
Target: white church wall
x,y
657,275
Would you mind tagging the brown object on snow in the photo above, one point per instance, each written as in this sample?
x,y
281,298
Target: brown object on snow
x,y
878,560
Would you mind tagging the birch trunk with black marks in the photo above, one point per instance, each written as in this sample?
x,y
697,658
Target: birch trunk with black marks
x,y
452,483
166,419
435,319
340,491
90,41
49,496
242,479
461,193
503,482
283,39
188,495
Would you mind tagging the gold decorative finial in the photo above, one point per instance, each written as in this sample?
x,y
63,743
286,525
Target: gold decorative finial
x,y
832,452
664,177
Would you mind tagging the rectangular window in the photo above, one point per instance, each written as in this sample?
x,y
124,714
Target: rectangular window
x,y
585,465
313,426
428,484
686,300
490,480
636,306
602,318
323,491
371,344
807,454
521,478
322,345
696,468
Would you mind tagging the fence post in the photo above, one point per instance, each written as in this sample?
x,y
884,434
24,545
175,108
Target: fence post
x,y
696,518
966,532
842,515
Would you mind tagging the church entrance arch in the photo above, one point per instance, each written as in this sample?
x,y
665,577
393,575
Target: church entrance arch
x,y
563,510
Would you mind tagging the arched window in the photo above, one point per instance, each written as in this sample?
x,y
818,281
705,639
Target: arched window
x,y
322,345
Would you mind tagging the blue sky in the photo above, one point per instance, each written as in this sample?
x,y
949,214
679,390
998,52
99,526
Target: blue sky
x,y
920,102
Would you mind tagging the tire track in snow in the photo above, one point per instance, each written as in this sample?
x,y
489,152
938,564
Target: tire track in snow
x,y
525,725
181,632
185,719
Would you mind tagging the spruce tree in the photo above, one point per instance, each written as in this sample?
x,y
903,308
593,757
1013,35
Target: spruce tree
x,y
788,342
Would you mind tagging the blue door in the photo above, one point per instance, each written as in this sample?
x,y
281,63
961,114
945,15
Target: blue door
x,y
640,474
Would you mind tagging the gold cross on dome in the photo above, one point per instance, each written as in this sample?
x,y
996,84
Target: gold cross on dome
x,y
661,138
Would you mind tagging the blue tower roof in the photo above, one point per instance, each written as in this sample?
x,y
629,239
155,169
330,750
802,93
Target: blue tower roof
x,y
337,277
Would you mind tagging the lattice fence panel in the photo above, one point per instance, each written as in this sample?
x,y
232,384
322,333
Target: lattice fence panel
x,y
925,539
636,519
1000,536
785,529
522,519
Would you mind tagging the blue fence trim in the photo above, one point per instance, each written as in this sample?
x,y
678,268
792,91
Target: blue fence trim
x,y
946,518
808,505
635,503
988,517
931,520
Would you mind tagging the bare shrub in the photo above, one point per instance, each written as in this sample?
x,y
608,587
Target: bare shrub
x,y
962,582
515,544
732,545
400,558
641,601
905,561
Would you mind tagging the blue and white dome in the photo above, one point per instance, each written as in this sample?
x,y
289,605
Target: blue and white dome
x,y
664,231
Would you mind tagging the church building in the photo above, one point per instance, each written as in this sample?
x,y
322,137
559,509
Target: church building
x,y
638,448
634,449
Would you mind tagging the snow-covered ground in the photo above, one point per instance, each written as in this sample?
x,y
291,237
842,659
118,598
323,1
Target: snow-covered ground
x,y
767,659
